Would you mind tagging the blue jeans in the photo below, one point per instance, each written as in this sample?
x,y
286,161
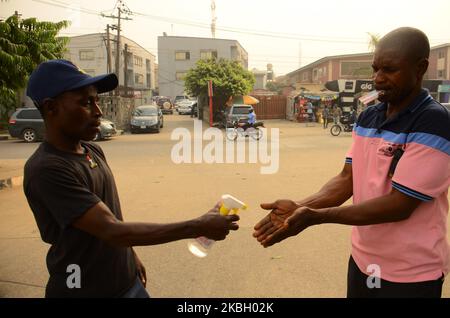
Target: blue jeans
x,y
136,291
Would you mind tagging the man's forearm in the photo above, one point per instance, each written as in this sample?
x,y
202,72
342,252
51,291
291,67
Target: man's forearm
x,y
334,193
135,234
392,207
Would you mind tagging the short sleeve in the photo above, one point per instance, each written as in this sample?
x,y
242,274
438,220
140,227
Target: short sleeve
x,y
349,155
424,169
60,192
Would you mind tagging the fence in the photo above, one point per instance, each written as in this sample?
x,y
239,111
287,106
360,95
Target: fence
x,y
119,109
270,107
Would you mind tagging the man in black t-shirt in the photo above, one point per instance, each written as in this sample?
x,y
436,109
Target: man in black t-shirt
x,y
71,191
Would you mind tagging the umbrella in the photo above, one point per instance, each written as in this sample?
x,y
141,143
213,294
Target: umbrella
x,y
246,99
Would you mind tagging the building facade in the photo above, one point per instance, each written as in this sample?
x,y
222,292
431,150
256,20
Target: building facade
x,y
359,67
260,79
439,67
178,54
136,78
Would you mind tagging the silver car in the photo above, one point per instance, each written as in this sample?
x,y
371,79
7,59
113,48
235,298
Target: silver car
x,y
146,118
185,106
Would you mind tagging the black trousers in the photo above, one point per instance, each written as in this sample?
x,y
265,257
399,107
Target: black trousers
x,y
357,286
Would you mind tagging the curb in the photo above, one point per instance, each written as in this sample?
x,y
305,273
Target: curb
x,y
4,137
11,182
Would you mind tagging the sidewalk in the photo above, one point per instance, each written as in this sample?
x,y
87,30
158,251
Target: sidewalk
x,y
11,173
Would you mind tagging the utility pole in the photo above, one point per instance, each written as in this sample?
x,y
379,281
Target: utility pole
x,y
213,19
125,69
108,50
118,49
120,8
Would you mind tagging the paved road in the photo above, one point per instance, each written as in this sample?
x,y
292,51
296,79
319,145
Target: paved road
x,y
154,189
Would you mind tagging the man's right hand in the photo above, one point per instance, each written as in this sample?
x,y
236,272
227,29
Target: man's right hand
x,y
280,211
215,226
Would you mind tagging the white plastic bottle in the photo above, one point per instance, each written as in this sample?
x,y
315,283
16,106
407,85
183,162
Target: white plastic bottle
x,y
229,205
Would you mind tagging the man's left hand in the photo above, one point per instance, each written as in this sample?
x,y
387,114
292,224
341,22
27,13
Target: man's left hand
x,y
293,225
141,270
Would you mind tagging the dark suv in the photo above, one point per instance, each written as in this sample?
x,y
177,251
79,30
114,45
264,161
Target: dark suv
x,y
27,124
165,105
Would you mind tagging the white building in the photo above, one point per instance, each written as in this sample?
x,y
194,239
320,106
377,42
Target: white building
x,y
89,52
178,54
260,79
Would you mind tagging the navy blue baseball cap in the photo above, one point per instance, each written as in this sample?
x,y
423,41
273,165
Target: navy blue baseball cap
x,y
54,77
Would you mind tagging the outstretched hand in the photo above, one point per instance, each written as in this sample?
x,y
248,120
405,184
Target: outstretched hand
x,y
301,219
285,219
280,211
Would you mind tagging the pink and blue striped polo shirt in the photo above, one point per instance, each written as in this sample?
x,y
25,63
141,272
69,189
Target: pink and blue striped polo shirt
x,y
415,249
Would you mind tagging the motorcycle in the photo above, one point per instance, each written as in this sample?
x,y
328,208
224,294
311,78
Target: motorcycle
x,y
345,124
245,130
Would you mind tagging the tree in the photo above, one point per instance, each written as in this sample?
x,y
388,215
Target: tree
x,y
23,45
373,41
229,78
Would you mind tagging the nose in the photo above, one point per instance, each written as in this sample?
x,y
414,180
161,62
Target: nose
x,y
96,109
378,77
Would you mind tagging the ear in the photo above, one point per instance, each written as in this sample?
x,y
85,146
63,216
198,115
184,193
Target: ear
x,y
422,67
49,107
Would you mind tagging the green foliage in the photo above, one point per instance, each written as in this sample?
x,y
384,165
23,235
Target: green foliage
x,y
274,87
229,78
23,45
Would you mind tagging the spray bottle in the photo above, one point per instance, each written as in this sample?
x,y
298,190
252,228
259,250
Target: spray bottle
x,y
229,205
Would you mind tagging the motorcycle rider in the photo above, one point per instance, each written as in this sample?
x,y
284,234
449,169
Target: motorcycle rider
x,y
251,120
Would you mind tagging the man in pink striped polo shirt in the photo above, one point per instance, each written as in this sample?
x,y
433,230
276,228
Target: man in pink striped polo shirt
x,y
398,172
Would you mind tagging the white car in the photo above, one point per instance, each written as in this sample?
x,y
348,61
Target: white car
x,y
185,106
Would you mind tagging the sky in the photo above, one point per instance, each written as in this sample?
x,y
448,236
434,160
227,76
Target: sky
x,y
286,33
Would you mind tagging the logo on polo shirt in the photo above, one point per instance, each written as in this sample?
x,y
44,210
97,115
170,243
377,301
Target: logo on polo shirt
x,y
388,148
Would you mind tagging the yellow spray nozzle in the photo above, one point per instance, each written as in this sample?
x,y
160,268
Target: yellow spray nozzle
x,y
231,205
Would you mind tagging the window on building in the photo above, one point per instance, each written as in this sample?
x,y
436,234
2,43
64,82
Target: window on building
x,y
305,76
356,69
182,56
138,78
315,74
86,55
441,73
180,76
147,65
441,55
206,55
137,60
149,81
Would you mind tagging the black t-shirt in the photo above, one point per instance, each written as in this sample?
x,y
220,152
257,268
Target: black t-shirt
x,y
60,187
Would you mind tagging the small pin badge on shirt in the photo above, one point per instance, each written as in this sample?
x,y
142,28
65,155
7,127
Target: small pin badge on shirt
x,y
92,163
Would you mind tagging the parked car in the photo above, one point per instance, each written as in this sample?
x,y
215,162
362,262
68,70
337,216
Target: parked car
x,y
185,106
165,105
179,98
27,124
147,118
107,130
237,112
